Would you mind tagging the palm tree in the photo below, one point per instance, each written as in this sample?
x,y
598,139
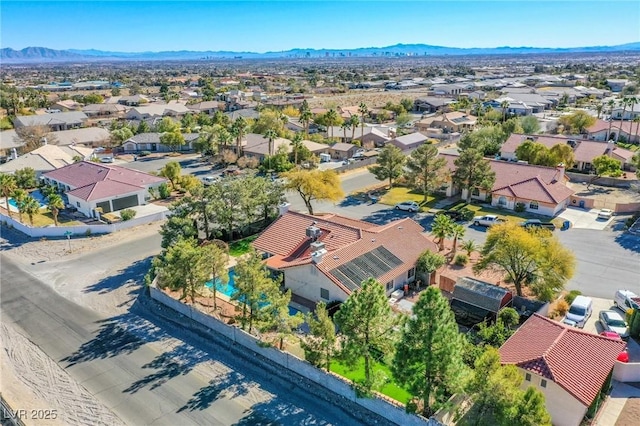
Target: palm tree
x,y
55,204
611,104
331,118
224,138
469,246
626,101
505,106
271,136
637,120
19,195
296,144
30,206
442,228
354,122
237,129
599,108
7,187
305,117
363,110
346,125
458,232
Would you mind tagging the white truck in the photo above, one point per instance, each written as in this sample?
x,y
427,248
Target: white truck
x,y
487,220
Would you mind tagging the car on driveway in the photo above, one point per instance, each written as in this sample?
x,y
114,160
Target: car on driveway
x,y
605,214
611,335
410,206
612,321
487,220
106,159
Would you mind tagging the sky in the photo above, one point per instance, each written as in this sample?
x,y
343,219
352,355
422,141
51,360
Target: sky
x,y
137,26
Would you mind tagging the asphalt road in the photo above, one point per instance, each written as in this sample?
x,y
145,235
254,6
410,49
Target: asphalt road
x,y
147,371
190,163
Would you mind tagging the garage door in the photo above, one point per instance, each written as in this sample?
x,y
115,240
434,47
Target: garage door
x,y
105,206
123,203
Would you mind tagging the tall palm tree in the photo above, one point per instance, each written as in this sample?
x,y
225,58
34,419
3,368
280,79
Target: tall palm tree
x,y
626,101
224,138
238,128
296,144
305,117
458,232
345,126
7,187
19,195
599,108
354,122
611,104
505,106
637,120
30,206
271,136
331,118
363,110
55,204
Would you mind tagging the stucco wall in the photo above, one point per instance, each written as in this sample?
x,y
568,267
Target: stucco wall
x,y
306,281
626,371
564,409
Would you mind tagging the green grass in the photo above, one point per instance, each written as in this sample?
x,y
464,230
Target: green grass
x,y
240,247
45,218
390,389
506,214
397,195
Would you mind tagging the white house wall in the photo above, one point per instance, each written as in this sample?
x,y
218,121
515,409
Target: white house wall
x,y
306,281
565,410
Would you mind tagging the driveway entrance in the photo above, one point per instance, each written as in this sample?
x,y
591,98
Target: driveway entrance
x,y
584,219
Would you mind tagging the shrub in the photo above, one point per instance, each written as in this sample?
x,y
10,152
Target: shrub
x,y
519,208
467,214
127,214
164,191
461,259
570,297
87,233
144,153
562,307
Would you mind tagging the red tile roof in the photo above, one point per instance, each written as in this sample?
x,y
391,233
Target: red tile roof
x,y
344,239
601,125
536,189
577,361
83,176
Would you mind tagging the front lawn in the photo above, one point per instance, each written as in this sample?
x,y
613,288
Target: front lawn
x,y
397,195
390,389
45,218
240,247
510,215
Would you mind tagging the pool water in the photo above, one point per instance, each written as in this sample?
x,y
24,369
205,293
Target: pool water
x,y
35,194
229,290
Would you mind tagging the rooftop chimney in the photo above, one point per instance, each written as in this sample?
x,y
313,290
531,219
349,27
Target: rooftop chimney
x,y
283,208
316,256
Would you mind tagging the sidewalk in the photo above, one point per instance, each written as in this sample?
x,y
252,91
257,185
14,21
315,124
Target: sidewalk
x,y
616,410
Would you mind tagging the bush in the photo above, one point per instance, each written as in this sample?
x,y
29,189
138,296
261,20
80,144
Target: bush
x,y
562,307
127,214
570,297
467,214
461,259
144,153
164,191
519,208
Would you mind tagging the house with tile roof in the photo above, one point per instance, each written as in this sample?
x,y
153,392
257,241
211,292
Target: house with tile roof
x,y
450,122
409,141
151,142
55,121
542,190
47,158
92,188
569,366
606,130
326,258
584,151
172,109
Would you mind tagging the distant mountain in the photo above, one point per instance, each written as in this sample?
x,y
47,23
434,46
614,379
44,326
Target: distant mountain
x,y
43,54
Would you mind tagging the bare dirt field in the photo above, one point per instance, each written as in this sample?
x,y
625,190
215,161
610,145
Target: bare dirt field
x,y
630,413
373,99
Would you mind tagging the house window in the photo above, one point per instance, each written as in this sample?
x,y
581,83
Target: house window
x,y
533,205
77,203
502,201
324,293
475,192
543,383
390,285
411,273
527,377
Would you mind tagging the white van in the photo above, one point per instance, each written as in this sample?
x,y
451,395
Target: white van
x,y
624,299
579,312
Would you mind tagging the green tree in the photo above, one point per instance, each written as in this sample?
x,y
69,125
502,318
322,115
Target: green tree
x,y
55,204
26,178
604,166
364,112
277,317
238,130
577,122
407,104
296,147
530,125
8,185
367,324
30,206
19,196
305,118
331,118
171,171
189,183
177,228
535,259
354,122
562,154
92,98
636,163
473,171
428,263
389,164
403,119
314,185
143,127
487,140
428,359
442,228
424,168
504,105
183,267
271,135
457,231
529,409
469,246
174,140
252,284
168,125
320,344
535,153
217,257
118,136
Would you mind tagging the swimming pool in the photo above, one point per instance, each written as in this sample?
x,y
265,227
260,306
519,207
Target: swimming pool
x,y
229,290
35,194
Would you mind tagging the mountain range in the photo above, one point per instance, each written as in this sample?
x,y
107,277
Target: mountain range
x,y
43,54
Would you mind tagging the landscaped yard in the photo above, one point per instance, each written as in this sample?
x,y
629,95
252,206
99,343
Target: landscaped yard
x,y
391,389
510,215
45,218
240,247
397,195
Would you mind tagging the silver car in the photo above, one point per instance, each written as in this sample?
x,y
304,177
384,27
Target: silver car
x,y
410,206
613,321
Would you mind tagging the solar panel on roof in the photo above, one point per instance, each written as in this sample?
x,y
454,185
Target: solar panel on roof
x,y
372,264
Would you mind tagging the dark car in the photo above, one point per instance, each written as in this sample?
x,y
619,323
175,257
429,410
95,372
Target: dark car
x,y
452,214
537,224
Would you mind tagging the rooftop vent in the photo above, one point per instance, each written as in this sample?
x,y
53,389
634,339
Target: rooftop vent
x,y
316,256
313,232
317,245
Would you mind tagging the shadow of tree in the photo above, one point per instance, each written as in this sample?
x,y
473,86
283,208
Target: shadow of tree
x,y
629,241
121,334
382,217
178,361
132,273
274,412
230,385
354,200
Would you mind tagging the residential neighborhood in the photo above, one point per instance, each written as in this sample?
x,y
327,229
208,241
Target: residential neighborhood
x,y
361,236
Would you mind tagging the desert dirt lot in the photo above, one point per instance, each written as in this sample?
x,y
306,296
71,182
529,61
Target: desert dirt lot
x,y
373,99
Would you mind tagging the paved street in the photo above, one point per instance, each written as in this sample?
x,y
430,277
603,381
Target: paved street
x,y
147,371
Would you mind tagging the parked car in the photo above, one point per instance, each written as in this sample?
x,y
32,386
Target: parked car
x,y
579,312
106,159
144,153
613,321
537,224
605,214
454,215
611,335
626,299
410,206
487,220
209,180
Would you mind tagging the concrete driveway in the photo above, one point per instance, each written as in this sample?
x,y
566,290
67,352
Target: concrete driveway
x,y
585,219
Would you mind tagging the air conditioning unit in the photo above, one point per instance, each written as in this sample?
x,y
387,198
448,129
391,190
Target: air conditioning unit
x,y
313,232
